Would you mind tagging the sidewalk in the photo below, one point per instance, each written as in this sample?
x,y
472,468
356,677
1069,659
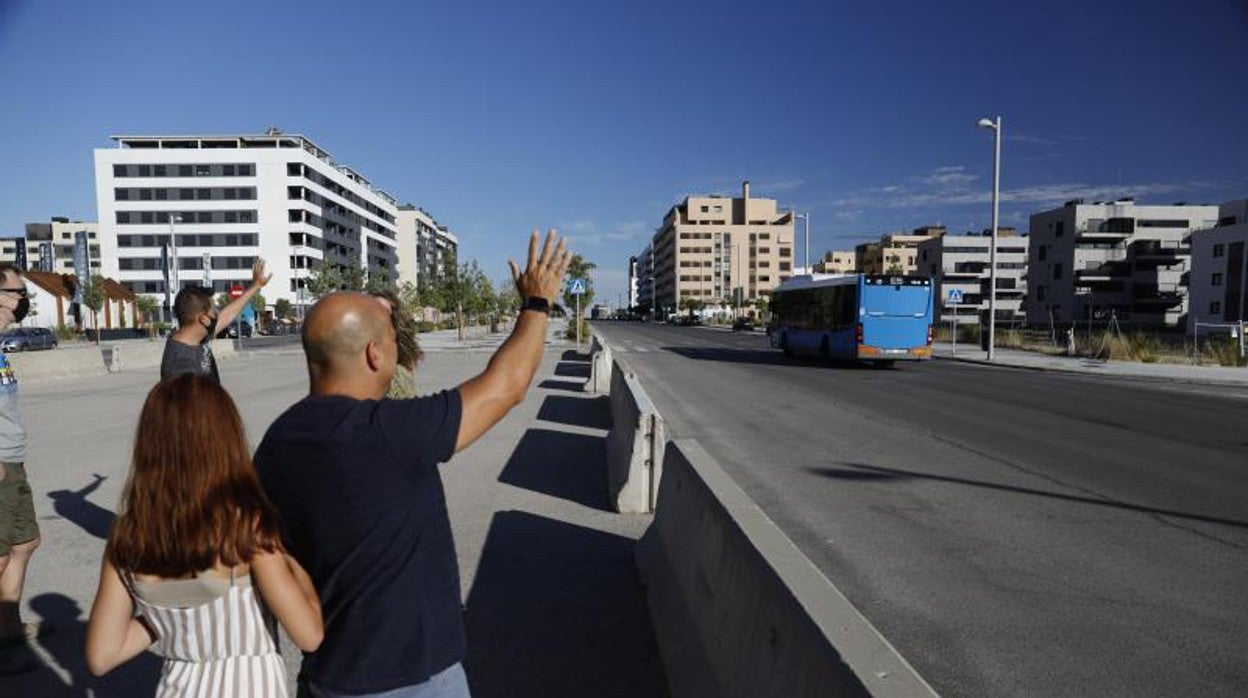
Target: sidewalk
x,y
1178,373
553,604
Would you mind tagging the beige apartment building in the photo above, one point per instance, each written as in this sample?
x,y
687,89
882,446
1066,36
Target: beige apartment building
x,y
837,262
895,252
50,246
721,251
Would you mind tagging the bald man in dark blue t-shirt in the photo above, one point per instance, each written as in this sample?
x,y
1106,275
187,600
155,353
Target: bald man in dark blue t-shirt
x,y
354,477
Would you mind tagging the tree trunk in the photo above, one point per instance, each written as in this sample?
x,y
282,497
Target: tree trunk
x,y
459,319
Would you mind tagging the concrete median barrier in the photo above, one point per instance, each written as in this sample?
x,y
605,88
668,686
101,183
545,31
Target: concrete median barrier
x,y
738,610
634,445
65,362
600,367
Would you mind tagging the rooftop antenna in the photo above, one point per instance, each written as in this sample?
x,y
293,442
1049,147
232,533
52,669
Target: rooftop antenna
x,y
272,131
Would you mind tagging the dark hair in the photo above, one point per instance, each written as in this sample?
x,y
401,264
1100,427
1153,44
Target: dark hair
x,y
6,269
404,324
192,499
192,302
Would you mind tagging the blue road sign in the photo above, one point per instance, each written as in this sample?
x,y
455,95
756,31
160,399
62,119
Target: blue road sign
x,y
955,296
577,287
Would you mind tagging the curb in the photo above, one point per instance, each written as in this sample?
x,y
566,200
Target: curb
x,y
1208,382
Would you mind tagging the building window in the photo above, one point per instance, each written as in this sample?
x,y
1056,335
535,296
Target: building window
x,y
1044,252
1215,307
162,194
227,170
145,217
121,194
119,171
706,209
231,217
1040,292
1219,250
1217,279
158,170
203,170
1059,229
184,170
145,194
145,171
244,170
1057,271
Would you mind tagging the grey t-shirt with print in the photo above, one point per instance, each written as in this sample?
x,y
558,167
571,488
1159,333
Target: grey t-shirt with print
x,y
12,428
182,358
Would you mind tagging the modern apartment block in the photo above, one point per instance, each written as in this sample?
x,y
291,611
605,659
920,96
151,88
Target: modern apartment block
x,y
1112,259
895,253
632,283
645,278
837,262
49,247
1219,277
229,199
962,263
424,246
715,248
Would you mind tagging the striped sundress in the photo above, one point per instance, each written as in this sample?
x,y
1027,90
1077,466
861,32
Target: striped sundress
x,y
223,647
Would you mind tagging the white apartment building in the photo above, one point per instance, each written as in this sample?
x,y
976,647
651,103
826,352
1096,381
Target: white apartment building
x,y
1112,258
424,246
50,246
229,199
632,282
1219,277
962,263
645,278
711,248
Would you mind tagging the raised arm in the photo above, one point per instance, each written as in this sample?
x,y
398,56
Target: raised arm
x,y
489,396
259,278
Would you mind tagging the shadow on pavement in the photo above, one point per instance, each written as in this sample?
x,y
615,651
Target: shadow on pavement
x,y
556,609
73,506
856,471
569,386
64,642
591,412
574,355
769,357
559,464
572,369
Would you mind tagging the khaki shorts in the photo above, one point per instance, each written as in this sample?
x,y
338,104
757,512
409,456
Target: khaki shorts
x,y
17,509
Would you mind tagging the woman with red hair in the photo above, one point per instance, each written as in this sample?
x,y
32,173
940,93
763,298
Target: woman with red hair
x,y
193,533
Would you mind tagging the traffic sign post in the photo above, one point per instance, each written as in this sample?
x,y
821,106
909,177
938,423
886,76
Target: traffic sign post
x,y
577,288
955,297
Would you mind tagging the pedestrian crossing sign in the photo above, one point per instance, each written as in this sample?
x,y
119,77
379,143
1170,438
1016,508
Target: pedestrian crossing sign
x,y
577,287
955,295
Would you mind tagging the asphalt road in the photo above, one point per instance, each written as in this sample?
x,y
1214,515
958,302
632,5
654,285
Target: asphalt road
x,y
1011,532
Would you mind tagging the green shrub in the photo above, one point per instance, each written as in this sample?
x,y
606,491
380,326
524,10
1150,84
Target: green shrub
x,y
570,331
425,326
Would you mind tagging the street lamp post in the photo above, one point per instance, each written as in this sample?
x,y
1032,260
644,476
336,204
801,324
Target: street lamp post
x,y
806,259
992,255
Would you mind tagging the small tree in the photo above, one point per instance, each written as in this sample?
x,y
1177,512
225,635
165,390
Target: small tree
x,y
93,296
508,297
283,309
223,299
147,307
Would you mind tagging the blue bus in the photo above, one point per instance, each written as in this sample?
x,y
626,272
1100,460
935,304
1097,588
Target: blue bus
x,y
854,317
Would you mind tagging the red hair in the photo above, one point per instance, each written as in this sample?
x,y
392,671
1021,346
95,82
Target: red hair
x,y
193,499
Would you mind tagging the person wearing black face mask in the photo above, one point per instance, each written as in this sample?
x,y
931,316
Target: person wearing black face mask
x,y
189,349
19,530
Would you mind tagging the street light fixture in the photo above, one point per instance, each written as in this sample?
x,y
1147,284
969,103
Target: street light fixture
x,y
995,126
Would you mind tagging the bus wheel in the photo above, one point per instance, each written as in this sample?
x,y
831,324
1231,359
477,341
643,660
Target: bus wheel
x,y
883,364
824,352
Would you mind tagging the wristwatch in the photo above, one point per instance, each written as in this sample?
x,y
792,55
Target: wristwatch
x,y
536,303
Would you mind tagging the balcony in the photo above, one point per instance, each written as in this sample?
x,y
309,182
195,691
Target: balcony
x,y
1111,230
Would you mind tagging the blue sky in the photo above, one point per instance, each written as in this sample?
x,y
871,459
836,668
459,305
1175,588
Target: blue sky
x,y
597,117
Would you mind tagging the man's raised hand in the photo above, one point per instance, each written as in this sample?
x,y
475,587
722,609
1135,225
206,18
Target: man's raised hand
x,y
543,277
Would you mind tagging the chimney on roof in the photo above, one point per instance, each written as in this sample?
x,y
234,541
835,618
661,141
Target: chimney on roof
x,y
745,190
